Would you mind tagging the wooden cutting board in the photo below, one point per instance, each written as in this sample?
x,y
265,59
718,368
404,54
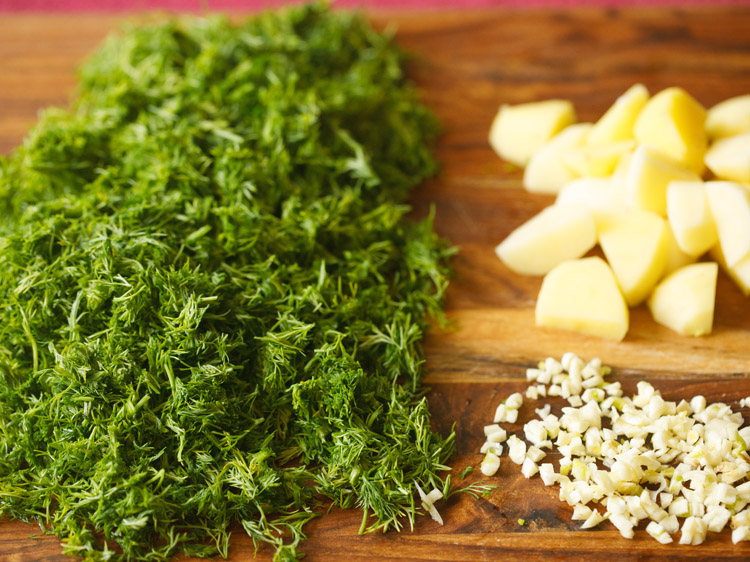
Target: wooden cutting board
x,y
466,64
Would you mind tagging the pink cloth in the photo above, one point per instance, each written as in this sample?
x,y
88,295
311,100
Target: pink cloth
x,y
255,5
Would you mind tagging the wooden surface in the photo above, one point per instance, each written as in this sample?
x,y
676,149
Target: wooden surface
x,y
466,65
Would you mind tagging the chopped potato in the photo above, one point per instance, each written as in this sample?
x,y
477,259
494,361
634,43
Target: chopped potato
x,y
546,171
690,217
558,233
518,131
740,272
596,161
635,244
598,194
583,296
676,258
617,123
673,122
729,117
730,207
729,158
648,175
684,301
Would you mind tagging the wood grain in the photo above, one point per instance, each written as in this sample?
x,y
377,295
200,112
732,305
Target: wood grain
x,y
466,64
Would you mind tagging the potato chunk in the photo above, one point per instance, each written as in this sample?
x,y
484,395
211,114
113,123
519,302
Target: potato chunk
x,y
729,117
617,123
740,272
598,194
690,217
597,161
546,171
684,301
676,258
635,244
730,207
647,178
558,233
518,131
583,296
729,158
673,122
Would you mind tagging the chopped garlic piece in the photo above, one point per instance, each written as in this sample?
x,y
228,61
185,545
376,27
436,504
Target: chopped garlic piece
x,y
535,432
716,518
658,532
698,404
532,374
535,454
623,524
435,495
494,448
693,531
501,413
581,512
594,519
670,524
516,449
575,401
497,436
529,468
552,366
490,429
490,464
428,500
547,473
514,401
741,534
543,413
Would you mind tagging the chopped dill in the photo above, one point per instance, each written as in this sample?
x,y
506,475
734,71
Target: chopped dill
x,y
211,303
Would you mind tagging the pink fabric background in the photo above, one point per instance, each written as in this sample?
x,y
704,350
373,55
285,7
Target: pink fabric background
x,y
254,5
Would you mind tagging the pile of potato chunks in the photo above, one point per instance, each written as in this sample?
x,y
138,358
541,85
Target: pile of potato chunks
x,y
633,182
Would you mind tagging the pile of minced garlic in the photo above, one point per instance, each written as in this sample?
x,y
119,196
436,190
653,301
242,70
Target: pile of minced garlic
x,y
683,466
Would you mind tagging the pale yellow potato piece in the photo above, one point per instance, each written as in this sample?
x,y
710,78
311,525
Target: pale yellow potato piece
x,y
690,217
621,170
729,117
649,173
684,301
619,175
635,244
617,123
673,122
730,207
557,234
676,258
546,172
583,296
598,194
596,161
518,131
740,273
729,158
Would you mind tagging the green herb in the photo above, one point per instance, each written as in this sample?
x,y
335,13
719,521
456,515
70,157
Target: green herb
x,y
475,490
211,306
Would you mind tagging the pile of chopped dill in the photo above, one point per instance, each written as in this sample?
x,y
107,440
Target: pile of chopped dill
x,y
211,304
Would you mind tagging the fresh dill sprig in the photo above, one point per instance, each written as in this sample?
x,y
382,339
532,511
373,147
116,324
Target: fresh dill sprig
x,y
211,304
